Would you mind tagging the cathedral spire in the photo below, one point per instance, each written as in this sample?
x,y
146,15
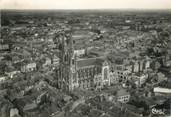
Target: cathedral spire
x,y
65,47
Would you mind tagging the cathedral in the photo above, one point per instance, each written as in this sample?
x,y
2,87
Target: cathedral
x,y
88,73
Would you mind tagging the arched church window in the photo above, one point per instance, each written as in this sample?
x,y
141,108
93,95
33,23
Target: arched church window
x,y
105,73
73,62
60,46
65,58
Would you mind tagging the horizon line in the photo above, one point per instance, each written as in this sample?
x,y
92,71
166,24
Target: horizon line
x,y
96,9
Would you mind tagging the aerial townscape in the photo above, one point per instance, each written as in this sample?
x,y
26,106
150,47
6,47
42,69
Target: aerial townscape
x,y
85,63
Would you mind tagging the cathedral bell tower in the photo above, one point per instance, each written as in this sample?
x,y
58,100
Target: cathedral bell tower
x,y
66,67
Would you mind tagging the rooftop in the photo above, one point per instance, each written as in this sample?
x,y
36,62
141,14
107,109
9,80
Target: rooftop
x,y
122,92
90,62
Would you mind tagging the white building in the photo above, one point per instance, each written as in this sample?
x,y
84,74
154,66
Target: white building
x,y
12,73
29,67
14,112
2,78
159,90
79,52
139,78
123,96
122,75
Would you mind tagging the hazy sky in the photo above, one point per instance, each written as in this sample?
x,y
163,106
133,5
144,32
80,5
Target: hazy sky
x,y
85,4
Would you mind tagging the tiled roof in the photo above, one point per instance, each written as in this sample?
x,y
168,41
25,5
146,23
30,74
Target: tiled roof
x,y
28,107
89,62
122,92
